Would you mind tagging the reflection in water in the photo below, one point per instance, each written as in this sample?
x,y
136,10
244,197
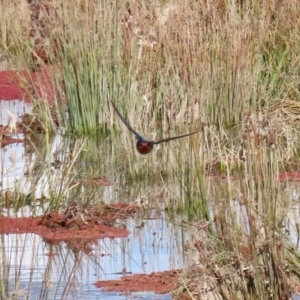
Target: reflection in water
x,y
12,110
55,167
49,167
38,270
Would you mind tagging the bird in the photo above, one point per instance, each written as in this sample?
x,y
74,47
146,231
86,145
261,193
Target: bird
x,y
143,145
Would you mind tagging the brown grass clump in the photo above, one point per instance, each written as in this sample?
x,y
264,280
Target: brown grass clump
x,y
237,265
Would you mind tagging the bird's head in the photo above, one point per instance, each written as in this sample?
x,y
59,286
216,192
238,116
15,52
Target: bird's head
x,y
144,147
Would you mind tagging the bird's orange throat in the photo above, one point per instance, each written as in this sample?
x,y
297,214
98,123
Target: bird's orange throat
x,y
144,147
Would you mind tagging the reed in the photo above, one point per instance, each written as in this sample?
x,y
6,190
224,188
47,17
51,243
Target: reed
x,y
228,69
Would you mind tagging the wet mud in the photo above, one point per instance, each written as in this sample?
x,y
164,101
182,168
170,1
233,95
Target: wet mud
x,y
75,225
158,282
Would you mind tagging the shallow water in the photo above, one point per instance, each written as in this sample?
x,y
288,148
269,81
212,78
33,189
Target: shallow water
x,y
70,274
30,273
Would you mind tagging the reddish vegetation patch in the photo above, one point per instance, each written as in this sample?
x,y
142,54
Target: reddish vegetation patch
x,y
289,176
78,226
50,254
6,140
160,282
15,85
58,233
99,181
282,176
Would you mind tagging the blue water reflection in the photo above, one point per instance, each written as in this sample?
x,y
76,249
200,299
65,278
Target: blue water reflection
x,y
70,274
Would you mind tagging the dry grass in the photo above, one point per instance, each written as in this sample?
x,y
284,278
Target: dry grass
x,y
229,68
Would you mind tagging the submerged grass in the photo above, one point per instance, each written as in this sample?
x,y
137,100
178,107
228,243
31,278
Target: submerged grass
x,y
229,69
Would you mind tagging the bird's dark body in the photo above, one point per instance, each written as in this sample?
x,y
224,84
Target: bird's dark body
x,y
144,146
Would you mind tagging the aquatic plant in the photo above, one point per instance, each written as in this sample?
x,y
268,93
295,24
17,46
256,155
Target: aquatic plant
x,y
228,69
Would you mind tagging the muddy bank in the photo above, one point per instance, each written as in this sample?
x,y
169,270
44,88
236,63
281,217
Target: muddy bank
x,y
76,224
158,282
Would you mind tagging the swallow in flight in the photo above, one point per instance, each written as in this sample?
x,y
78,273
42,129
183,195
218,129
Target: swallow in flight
x,y
144,146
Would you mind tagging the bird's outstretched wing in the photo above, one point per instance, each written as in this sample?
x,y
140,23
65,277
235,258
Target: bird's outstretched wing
x,y
138,136
173,138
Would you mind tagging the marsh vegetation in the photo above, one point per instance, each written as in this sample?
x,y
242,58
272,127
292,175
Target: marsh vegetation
x,y
229,69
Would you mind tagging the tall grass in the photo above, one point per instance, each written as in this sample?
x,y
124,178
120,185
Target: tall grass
x,y
227,68
171,57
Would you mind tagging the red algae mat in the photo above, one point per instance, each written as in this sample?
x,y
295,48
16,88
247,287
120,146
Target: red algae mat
x,y
75,224
13,85
6,140
159,282
289,176
282,177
